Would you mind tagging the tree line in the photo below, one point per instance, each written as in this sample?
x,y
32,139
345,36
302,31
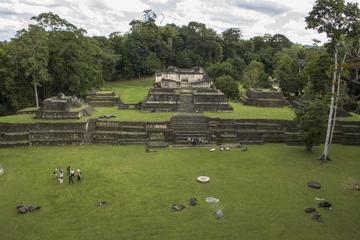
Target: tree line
x,y
57,56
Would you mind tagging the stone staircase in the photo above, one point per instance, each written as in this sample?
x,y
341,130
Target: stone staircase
x,y
183,127
186,103
350,134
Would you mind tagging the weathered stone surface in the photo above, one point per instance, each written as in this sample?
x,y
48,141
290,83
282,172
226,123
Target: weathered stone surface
x,y
315,185
203,179
264,98
177,131
219,213
184,90
177,207
103,99
63,107
27,208
310,210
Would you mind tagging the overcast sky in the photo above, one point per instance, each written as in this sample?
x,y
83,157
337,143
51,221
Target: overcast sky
x,y
101,17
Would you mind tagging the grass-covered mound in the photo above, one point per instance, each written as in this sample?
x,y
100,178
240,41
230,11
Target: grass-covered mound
x,y
262,191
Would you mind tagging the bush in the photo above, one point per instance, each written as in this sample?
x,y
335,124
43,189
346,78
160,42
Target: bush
x,y
228,86
312,123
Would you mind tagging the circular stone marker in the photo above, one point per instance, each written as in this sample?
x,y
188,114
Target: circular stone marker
x,y
203,179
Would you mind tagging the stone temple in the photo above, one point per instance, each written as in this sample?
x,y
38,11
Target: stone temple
x,y
63,107
185,90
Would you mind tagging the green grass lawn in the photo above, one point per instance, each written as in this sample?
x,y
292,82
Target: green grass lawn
x,y
131,91
133,115
262,191
29,118
251,112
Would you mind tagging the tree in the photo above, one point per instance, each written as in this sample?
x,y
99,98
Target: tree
x,y
254,76
30,58
75,61
317,72
228,86
231,42
340,21
286,72
220,69
312,123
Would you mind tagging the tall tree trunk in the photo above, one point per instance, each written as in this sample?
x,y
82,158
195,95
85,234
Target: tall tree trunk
x,y
325,155
337,97
36,95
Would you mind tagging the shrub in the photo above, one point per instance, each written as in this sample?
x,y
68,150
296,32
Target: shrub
x,y
228,86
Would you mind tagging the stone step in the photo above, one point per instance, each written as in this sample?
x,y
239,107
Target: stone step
x,y
349,142
15,133
14,143
251,142
102,103
185,145
189,129
121,129
33,141
188,124
112,142
56,131
259,131
14,136
187,133
351,136
247,125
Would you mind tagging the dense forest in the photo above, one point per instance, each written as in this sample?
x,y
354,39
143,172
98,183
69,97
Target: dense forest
x,y
57,56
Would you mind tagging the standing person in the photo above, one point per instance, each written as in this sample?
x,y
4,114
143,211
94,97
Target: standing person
x,y
55,173
78,175
71,176
61,176
68,169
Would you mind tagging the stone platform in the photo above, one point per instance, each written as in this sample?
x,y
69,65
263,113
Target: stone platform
x,y
63,107
264,98
185,90
177,131
186,100
103,99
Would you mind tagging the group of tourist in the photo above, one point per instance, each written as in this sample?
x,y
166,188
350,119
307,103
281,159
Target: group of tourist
x,y
71,175
195,141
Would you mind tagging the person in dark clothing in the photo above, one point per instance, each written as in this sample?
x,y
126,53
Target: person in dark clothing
x,y
71,176
68,169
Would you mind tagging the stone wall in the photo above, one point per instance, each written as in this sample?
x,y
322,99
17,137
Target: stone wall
x,y
214,130
161,100
103,99
264,98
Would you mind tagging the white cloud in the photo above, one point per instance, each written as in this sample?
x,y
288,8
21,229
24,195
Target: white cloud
x,y
101,17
